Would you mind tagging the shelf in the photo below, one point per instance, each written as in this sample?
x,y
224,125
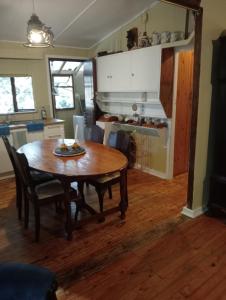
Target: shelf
x,y
139,129
154,102
179,43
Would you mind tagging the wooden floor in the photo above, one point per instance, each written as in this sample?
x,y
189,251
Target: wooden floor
x,y
155,254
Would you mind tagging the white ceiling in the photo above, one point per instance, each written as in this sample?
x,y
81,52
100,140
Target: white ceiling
x,y
75,23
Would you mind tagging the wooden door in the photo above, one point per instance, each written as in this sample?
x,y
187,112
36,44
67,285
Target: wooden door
x,y
166,80
183,112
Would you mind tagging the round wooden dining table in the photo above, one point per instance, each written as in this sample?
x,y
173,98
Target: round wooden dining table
x,y
97,160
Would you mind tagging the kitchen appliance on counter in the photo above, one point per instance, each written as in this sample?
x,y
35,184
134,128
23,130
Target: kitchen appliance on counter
x,y
79,127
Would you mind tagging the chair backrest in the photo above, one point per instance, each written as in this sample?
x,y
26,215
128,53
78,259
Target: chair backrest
x,y
8,149
22,168
124,142
112,139
119,140
97,134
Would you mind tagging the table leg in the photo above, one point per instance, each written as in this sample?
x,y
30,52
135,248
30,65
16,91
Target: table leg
x,y
123,192
84,205
67,204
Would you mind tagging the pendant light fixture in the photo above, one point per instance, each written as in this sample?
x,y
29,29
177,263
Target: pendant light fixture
x,y
38,34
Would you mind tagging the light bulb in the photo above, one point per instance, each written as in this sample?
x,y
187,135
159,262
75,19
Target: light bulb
x,y
36,36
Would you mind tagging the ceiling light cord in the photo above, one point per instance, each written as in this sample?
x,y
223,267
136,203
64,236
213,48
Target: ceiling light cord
x,y
33,11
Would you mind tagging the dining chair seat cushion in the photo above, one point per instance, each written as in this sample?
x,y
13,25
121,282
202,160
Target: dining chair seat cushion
x,y
40,177
108,177
49,189
25,282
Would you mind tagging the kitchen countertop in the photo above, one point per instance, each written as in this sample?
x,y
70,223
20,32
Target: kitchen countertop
x,y
22,124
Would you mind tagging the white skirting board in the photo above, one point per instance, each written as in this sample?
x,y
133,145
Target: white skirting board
x,y
193,213
7,175
151,171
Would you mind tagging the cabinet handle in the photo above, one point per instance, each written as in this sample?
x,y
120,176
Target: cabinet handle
x,y
53,127
132,74
55,136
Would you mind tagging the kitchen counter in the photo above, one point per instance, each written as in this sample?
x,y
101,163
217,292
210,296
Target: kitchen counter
x,y
13,125
20,133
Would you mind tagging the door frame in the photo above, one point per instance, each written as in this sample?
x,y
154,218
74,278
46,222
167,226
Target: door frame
x,y
48,72
193,5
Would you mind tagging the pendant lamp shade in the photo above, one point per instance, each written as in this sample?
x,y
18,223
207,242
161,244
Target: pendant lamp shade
x,y
38,34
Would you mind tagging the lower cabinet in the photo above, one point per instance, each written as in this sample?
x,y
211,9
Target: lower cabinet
x,y
54,132
19,137
34,136
6,165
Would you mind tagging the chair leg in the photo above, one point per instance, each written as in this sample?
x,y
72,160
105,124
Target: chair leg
x,y
81,189
100,193
123,193
58,207
109,192
76,212
37,222
26,212
78,209
19,197
51,295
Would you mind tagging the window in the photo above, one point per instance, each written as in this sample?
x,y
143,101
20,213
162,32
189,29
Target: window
x,y
63,91
16,94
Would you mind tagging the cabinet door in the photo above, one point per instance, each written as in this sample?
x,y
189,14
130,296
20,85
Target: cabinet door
x,y
132,71
104,65
146,69
113,73
54,132
6,165
121,73
35,136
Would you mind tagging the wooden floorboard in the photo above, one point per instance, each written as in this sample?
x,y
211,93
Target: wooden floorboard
x,y
155,254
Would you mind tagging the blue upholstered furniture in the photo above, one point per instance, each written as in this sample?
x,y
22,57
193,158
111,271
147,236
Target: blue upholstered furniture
x,y
35,126
26,282
4,130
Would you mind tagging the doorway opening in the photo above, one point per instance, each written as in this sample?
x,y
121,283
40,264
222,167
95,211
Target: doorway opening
x,y
71,89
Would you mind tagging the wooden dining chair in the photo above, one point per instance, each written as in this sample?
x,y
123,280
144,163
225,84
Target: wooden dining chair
x,y
96,134
39,194
119,140
37,177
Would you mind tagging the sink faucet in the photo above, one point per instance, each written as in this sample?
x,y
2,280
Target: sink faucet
x,y
8,118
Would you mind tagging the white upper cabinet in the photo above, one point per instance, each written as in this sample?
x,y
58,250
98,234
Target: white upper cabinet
x,y
146,69
132,71
113,72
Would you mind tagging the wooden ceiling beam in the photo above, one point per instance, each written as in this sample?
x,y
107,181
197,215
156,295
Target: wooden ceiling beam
x,y
190,4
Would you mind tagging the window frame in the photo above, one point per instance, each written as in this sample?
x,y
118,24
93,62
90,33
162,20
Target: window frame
x,y
14,95
73,91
